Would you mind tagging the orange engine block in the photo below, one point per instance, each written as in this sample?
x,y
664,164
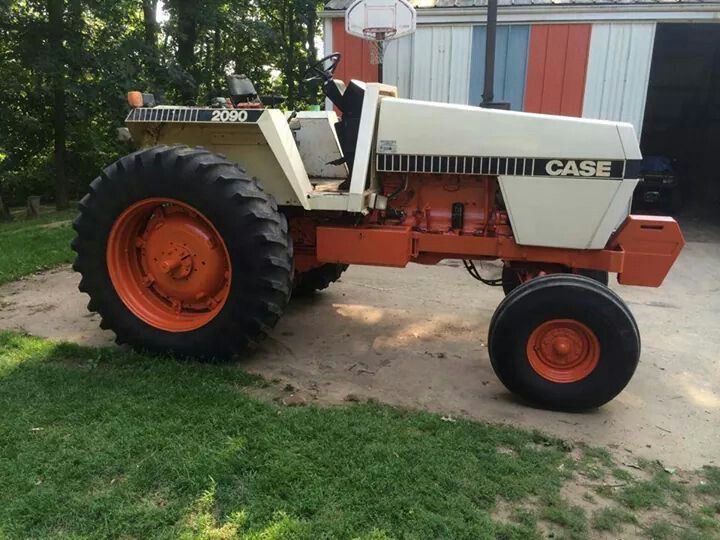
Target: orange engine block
x,y
443,203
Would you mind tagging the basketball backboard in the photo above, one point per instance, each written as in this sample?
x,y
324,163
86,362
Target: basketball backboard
x,y
380,20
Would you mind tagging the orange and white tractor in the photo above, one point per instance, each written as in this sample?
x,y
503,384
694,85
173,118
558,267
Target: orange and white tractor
x,y
194,244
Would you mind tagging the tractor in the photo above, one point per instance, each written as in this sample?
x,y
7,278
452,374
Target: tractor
x,y
194,244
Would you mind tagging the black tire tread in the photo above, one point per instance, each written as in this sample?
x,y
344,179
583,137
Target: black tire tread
x,y
580,283
250,221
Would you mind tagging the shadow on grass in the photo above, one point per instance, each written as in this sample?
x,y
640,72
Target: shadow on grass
x,y
107,443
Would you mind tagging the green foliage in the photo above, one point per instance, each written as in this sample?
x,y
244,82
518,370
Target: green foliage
x,y
612,519
110,47
711,481
705,523
660,530
653,493
572,518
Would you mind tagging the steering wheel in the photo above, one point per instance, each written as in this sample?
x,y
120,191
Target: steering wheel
x,y
322,72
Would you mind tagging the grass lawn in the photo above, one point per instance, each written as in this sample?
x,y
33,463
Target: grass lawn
x,y
28,246
99,443
107,443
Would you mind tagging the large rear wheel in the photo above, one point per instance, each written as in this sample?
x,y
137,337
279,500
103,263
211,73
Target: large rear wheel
x,y
181,252
564,342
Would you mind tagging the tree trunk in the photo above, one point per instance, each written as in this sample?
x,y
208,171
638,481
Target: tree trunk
x,y
150,37
32,209
311,19
150,25
5,214
217,71
56,45
210,74
312,23
289,68
62,199
187,12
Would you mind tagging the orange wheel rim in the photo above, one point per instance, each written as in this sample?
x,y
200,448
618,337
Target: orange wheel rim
x,y
169,265
563,351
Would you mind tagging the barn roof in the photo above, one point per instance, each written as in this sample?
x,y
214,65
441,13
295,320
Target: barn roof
x,y
336,5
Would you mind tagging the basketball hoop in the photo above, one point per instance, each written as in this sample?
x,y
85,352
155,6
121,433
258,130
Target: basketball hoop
x,y
379,21
379,33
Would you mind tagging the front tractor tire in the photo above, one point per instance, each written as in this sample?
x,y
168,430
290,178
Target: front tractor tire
x,y
564,342
511,277
182,252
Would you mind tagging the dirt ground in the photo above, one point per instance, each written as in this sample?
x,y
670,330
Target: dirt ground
x,y
417,338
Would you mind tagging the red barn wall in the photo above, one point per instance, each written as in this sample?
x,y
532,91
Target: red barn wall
x,y
557,68
356,55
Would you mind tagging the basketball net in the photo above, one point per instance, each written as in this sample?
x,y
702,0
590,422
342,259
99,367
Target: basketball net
x,y
378,38
377,52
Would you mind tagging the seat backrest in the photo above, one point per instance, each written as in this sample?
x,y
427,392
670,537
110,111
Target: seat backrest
x,y
348,127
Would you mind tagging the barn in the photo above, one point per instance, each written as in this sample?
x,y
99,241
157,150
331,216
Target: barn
x,y
653,63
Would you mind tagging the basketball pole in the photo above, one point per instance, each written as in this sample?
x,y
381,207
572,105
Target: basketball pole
x,y
381,57
491,31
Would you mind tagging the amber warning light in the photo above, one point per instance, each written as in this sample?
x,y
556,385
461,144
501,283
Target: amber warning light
x,y
135,99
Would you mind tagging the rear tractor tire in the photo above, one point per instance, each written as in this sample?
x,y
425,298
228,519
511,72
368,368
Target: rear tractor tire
x,y
181,252
317,279
564,342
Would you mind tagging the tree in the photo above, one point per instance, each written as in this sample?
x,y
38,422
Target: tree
x,y
292,25
151,32
5,214
56,74
67,65
150,24
25,124
185,31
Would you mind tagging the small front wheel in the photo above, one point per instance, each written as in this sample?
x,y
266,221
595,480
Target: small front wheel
x,y
564,342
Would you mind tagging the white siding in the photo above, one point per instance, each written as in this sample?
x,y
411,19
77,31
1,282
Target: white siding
x,y
397,70
459,84
619,71
432,65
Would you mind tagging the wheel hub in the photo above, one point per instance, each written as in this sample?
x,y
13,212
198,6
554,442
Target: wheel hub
x,y
563,351
179,251
169,264
179,263
562,347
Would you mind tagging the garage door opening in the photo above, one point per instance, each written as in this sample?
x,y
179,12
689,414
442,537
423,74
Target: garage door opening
x,y
682,123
